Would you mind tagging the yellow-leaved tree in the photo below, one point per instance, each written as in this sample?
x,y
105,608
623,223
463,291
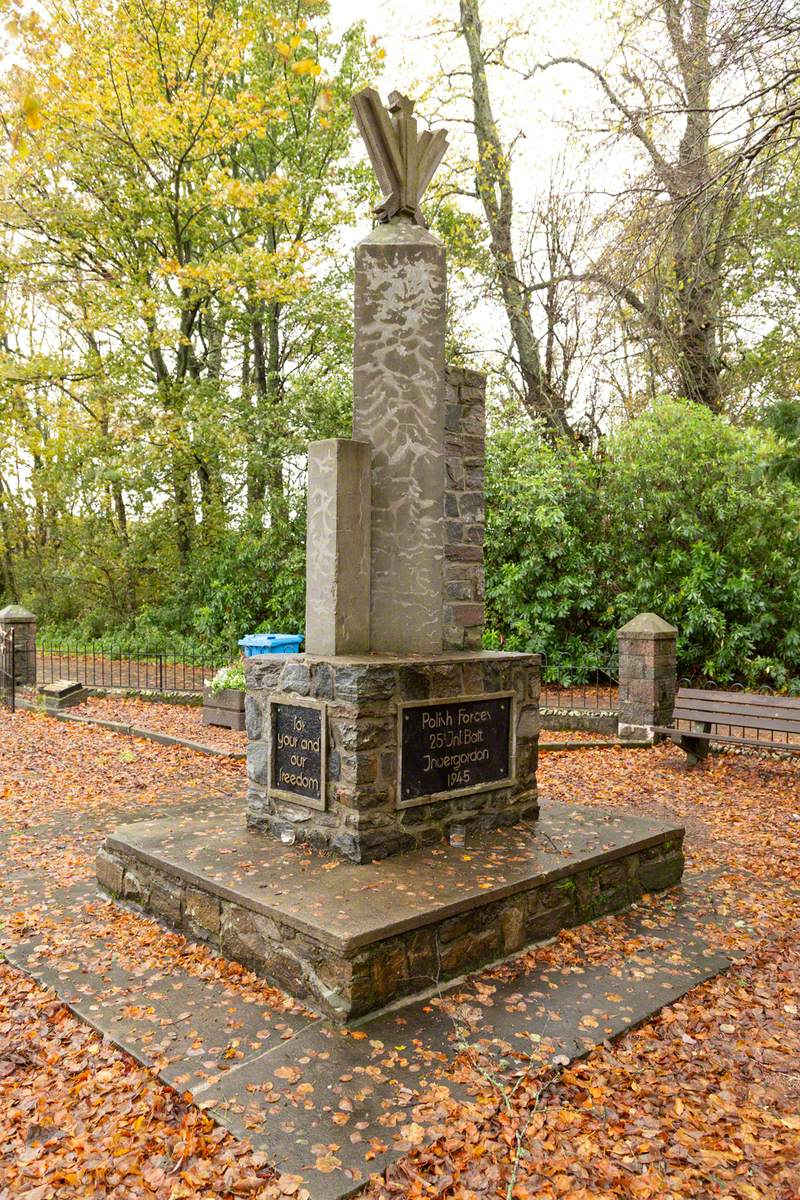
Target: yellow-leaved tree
x,y
173,178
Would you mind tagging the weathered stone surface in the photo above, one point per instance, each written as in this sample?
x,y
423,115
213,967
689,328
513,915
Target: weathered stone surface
x,y
239,935
648,627
136,882
647,675
63,693
257,762
512,924
362,682
263,671
357,938
296,677
363,749
661,873
462,613
471,950
110,871
398,406
338,547
322,681
201,912
165,899
557,1009
253,718
23,623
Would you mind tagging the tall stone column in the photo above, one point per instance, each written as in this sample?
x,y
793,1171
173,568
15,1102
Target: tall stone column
x,y
399,407
647,675
464,509
24,625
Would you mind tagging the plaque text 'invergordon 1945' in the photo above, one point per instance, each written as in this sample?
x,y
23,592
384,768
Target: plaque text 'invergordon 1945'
x,y
455,746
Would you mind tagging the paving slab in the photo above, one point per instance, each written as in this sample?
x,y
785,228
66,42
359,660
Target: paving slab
x,y
191,1030
309,1092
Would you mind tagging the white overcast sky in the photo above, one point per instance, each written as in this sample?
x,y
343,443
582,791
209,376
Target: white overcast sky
x,y
542,106
541,109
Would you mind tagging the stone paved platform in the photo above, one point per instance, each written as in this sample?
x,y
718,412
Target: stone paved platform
x,y
350,939
292,1083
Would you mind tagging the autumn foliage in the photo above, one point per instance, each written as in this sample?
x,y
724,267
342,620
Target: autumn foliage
x,y
701,1101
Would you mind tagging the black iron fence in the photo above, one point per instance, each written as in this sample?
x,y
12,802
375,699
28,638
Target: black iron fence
x,y
101,666
710,685
586,680
7,669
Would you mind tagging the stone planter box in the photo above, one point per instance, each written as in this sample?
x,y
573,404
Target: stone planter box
x,y
225,708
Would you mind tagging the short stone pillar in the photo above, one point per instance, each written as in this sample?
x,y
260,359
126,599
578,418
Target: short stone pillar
x,y
24,625
338,547
647,675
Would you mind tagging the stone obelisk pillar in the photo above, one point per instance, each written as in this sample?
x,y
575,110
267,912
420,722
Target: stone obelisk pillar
x,y
398,380
394,577
398,407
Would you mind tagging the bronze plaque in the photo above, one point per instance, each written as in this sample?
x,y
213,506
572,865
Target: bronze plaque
x,y
452,746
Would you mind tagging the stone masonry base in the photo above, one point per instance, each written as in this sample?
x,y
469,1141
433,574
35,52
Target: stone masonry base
x,y
349,939
360,698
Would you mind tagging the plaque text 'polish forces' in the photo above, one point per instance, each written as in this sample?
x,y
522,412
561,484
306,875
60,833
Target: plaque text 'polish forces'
x,y
454,745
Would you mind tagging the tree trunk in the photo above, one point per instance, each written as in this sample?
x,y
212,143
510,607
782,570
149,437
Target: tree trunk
x,y
694,231
265,465
9,576
495,191
180,468
209,470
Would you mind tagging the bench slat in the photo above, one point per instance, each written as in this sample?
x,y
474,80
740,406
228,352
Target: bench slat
x,y
754,698
675,735
726,706
747,720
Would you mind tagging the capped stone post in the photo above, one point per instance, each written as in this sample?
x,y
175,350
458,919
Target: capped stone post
x,y
647,675
24,625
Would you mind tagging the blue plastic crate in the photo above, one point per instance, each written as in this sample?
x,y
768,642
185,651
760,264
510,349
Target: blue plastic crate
x,y
270,643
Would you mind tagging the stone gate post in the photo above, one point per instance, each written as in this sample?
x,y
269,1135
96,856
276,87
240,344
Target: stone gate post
x,y
24,625
647,675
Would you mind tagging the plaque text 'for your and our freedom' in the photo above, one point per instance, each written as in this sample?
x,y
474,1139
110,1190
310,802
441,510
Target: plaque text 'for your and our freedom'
x,y
298,752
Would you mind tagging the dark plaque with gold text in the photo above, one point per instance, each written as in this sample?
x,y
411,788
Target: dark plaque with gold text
x,y
454,746
298,753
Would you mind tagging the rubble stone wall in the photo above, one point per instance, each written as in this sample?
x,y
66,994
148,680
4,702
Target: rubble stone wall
x,y
362,820
464,509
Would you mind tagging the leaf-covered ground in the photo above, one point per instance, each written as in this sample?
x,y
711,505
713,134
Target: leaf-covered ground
x,y
702,1101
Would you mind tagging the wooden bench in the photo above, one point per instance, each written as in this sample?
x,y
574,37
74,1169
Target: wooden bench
x,y
701,717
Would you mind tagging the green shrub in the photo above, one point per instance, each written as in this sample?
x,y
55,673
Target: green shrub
x,y
682,516
228,677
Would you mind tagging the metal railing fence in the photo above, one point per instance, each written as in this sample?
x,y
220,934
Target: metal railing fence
x,y
8,670
119,667
574,680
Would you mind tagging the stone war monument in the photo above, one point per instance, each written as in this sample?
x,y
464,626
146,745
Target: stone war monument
x,y
394,743
424,730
